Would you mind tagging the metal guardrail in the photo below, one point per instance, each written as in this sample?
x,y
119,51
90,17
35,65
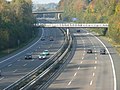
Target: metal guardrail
x,y
39,77
30,76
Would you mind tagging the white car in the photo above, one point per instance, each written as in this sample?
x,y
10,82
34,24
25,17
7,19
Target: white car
x,y
42,56
46,52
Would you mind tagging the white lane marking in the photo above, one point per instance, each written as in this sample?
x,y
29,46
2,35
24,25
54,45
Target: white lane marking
x,y
95,54
78,68
25,64
95,62
111,59
75,74
81,62
32,60
82,58
91,82
18,60
95,67
23,50
93,74
96,58
15,70
69,83
9,65
2,78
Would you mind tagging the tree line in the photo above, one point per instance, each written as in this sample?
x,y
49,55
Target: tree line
x,y
16,22
94,11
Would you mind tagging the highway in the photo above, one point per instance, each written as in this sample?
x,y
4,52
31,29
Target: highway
x,y
88,71
14,66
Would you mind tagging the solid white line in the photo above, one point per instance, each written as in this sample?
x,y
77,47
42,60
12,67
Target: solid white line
x,y
111,59
2,78
23,50
91,82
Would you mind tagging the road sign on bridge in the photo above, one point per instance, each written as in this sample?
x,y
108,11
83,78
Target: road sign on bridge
x,y
71,25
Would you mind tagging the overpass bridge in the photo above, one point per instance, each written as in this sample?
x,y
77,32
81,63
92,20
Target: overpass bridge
x,y
72,25
44,13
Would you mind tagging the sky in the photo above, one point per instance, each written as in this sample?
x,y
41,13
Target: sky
x,y
44,1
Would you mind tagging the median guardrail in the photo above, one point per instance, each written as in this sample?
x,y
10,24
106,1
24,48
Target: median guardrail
x,y
32,75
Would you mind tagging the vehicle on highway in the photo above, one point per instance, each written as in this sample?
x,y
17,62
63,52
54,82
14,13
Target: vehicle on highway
x,y
42,56
78,31
89,50
46,52
51,39
102,51
28,56
0,73
42,39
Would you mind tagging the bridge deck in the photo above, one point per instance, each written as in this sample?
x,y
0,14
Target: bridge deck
x,y
90,25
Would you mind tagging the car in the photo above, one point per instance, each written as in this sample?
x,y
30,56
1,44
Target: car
x,y
46,52
51,39
102,51
42,39
42,56
28,56
78,31
89,51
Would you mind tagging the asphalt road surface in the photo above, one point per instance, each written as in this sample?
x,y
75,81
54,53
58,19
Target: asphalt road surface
x,y
89,71
14,66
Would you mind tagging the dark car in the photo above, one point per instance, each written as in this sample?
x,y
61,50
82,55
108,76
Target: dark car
x,y
89,51
78,31
102,51
51,39
28,56
42,39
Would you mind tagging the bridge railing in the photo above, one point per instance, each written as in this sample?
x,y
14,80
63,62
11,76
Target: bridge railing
x,y
90,25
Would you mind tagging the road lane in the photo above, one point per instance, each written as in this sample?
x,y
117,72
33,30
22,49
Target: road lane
x,y
86,71
20,67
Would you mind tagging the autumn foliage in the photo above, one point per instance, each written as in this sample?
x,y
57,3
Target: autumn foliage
x,y
94,11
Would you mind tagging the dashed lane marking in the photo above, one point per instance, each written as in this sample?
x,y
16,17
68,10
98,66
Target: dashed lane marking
x,y
24,64
95,67
96,58
91,82
75,74
93,74
69,83
95,62
9,65
15,70
2,78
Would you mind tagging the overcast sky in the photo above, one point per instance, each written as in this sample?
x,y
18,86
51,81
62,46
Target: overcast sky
x,y
45,1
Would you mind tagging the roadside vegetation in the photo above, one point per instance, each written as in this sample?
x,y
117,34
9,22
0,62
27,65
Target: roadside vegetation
x,y
16,22
95,11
